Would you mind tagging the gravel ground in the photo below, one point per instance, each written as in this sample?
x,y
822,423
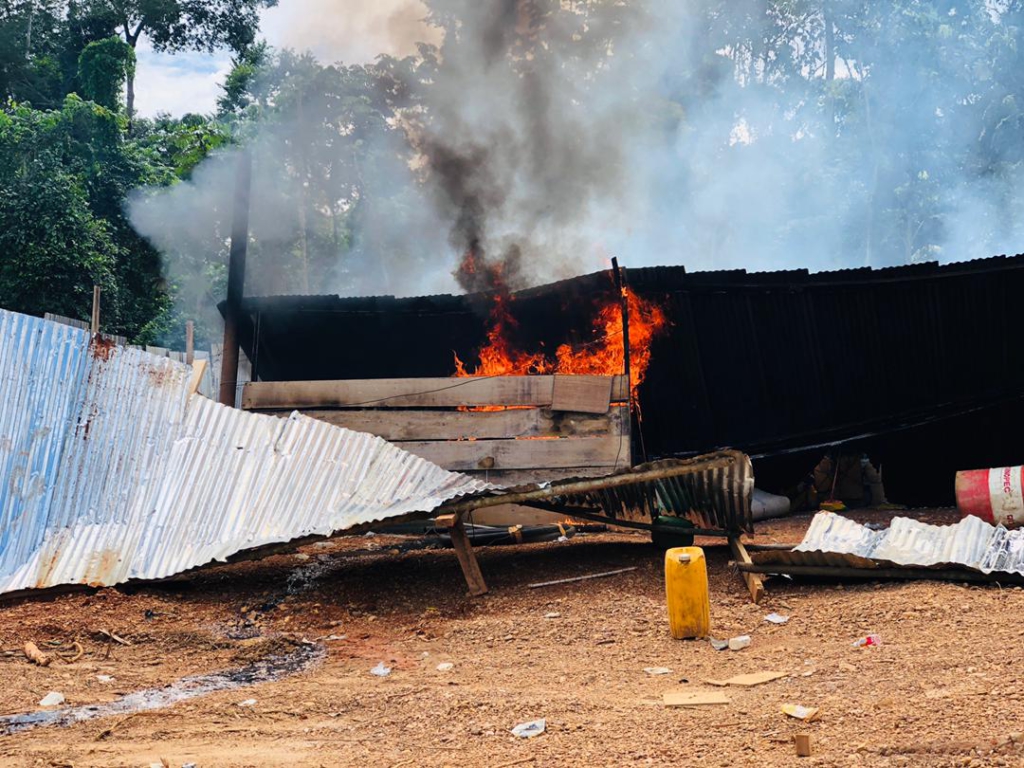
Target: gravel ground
x,y
941,690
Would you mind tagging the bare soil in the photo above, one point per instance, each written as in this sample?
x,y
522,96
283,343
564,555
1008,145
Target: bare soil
x,y
942,690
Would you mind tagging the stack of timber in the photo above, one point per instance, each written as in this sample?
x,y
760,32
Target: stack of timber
x,y
546,428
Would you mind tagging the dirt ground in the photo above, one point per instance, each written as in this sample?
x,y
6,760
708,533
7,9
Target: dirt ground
x,y
942,690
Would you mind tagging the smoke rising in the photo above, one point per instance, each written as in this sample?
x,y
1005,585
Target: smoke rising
x,y
538,137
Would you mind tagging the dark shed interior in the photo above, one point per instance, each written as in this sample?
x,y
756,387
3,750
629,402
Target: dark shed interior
x,y
917,365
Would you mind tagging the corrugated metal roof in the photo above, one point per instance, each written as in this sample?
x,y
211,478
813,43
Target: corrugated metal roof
x,y
833,540
110,470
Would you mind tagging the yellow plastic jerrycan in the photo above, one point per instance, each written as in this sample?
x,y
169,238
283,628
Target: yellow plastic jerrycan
x,y
686,587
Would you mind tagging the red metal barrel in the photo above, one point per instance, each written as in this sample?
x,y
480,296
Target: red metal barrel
x,y
994,495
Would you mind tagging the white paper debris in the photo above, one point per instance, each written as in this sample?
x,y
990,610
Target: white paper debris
x,y
657,670
739,643
380,670
445,666
530,729
776,618
247,703
52,699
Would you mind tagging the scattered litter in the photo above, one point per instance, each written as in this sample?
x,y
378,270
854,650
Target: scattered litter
x,y
380,670
867,640
753,678
718,645
530,729
336,637
111,636
776,618
800,712
445,666
739,643
33,654
188,765
369,535
52,699
77,652
247,703
600,575
694,698
657,670
803,744
562,538
105,678
552,615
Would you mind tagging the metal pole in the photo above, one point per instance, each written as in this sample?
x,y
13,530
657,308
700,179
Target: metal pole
x,y
624,303
190,342
236,279
94,325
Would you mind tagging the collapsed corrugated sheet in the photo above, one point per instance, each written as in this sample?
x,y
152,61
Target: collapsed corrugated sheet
x,y
971,543
712,491
111,470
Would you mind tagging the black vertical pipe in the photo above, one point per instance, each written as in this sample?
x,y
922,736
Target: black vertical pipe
x,y
236,279
620,288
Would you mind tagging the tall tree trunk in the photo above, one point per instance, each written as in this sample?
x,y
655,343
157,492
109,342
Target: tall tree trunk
x,y
830,60
132,38
28,32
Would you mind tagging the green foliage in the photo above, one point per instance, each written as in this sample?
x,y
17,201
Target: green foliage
x,y
103,68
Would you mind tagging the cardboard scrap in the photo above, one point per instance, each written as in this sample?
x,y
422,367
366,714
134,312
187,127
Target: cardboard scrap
x,y
694,698
800,712
753,678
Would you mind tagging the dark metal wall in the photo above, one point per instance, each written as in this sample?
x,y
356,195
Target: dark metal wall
x,y
766,362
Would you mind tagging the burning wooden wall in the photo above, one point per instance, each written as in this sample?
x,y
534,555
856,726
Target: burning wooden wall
x,y
510,430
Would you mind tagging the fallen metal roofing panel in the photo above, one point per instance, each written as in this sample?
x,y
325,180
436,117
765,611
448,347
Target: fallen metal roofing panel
x,y
836,541
712,491
110,470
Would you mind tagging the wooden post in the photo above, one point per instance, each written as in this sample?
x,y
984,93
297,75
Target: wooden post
x,y
236,279
464,551
755,582
190,342
94,325
620,286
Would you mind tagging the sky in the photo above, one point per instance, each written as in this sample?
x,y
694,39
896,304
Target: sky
x,y
190,82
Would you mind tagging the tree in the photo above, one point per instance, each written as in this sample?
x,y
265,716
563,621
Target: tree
x,y
179,25
103,68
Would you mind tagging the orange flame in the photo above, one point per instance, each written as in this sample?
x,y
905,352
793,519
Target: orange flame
x,y
603,356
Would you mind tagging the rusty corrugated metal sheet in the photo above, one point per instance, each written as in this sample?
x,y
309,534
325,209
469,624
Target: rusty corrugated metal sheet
x,y
838,542
110,470
713,492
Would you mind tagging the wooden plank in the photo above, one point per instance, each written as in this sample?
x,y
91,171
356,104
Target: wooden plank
x,y
467,560
692,698
581,394
407,393
459,425
749,679
522,454
198,369
511,478
755,582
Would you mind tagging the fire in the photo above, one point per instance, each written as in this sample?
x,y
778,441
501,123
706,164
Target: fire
x,y
602,356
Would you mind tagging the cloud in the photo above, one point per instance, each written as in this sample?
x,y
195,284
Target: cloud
x,y
352,31
178,83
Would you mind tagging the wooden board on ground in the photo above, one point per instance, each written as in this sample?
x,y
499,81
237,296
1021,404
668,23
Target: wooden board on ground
x,y
752,678
402,425
755,582
408,393
582,394
694,698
